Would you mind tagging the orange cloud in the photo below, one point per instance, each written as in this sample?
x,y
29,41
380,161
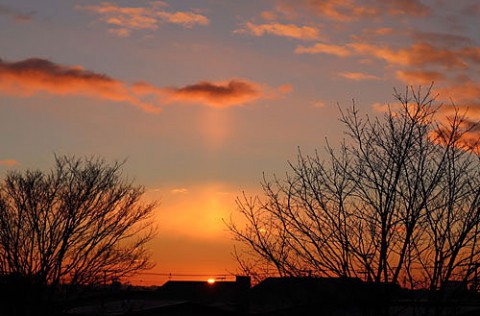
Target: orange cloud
x,y
31,76
179,191
128,19
469,128
386,107
462,96
214,94
269,15
340,10
217,94
380,31
463,92
358,76
407,7
307,33
285,88
444,40
419,76
329,49
186,19
350,10
8,162
418,54
34,75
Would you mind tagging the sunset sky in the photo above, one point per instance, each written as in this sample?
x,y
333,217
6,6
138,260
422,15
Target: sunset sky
x,y
202,96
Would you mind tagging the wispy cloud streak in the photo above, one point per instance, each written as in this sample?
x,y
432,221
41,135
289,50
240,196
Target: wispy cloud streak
x,y
306,33
128,19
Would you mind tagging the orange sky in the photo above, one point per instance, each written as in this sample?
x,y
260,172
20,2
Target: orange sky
x,y
202,97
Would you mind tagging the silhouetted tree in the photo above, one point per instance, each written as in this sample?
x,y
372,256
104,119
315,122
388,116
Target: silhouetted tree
x,y
397,201
80,223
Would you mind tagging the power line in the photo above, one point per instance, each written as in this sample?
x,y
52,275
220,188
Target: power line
x,y
186,274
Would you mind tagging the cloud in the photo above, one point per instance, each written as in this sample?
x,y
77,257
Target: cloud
x,y
340,10
381,31
320,48
464,92
307,33
358,76
387,107
217,94
380,107
417,55
419,76
9,162
285,88
179,191
35,75
269,15
462,96
222,94
121,32
32,76
404,7
128,19
351,10
186,19
16,15
444,40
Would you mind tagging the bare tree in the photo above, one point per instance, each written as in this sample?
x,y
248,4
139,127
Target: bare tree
x,y
78,224
397,202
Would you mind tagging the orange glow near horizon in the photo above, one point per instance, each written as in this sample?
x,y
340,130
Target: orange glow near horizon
x,y
192,242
